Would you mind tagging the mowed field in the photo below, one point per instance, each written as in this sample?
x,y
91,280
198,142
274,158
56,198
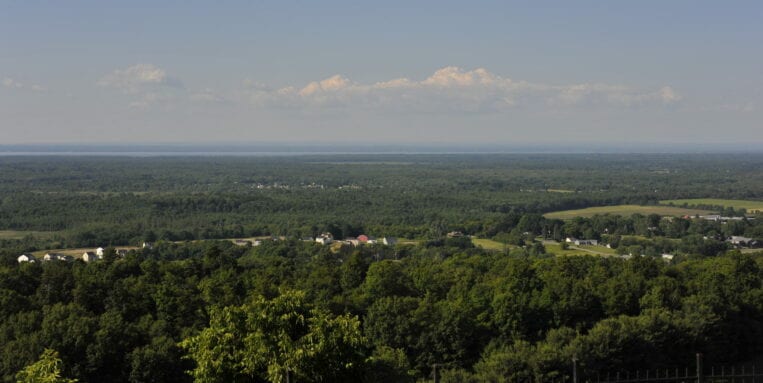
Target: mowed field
x,y
625,210
750,206
14,234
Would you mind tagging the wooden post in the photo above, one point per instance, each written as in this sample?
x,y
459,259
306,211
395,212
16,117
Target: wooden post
x,y
700,375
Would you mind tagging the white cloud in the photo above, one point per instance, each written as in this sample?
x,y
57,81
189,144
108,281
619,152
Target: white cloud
x,y
148,84
15,84
12,83
453,88
137,78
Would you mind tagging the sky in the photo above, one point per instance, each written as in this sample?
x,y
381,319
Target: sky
x,y
421,72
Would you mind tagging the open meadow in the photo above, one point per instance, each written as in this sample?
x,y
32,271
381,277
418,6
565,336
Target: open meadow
x,y
750,206
625,210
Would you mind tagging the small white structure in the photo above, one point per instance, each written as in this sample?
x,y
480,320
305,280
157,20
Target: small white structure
x,y
579,242
120,252
737,240
148,245
26,258
257,242
325,238
53,257
352,241
667,257
90,256
99,251
389,241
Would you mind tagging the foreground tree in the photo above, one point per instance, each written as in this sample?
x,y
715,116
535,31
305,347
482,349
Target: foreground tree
x,y
45,370
270,339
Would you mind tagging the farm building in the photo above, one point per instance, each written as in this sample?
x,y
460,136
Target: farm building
x,y
325,238
90,256
26,258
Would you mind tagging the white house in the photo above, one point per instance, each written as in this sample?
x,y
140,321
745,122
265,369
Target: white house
x,y
667,257
389,241
148,245
325,238
737,240
26,258
99,251
53,257
90,256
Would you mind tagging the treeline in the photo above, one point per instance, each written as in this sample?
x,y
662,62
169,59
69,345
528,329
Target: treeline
x,y
378,314
91,201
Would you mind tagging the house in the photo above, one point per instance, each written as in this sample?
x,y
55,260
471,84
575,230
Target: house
x,y
53,257
362,238
121,252
257,242
667,257
90,256
371,240
739,241
325,238
148,245
323,241
570,239
455,234
99,251
590,242
389,241
26,258
351,241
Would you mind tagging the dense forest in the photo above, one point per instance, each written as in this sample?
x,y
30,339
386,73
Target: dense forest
x,y
228,313
93,201
196,308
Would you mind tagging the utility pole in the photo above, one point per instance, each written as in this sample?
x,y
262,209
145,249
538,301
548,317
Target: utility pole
x,y
700,374
574,369
434,373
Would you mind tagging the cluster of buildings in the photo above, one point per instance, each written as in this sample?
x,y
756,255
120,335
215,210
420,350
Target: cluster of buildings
x,y
580,242
88,256
328,238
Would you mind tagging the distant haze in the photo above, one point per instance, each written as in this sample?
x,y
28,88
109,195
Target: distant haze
x,y
485,76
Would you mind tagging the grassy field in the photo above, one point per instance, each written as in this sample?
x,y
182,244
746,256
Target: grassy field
x,y
14,234
750,206
625,210
488,244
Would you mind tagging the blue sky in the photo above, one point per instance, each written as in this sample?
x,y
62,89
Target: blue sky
x,y
392,71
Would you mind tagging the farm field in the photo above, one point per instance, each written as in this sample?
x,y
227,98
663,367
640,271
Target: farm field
x,y
625,210
16,234
750,206
488,244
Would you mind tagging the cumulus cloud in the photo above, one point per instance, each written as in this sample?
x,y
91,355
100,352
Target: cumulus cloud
x,y
148,84
138,77
15,84
453,88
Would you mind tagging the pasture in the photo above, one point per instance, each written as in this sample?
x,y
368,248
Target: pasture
x,y
625,210
750,206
